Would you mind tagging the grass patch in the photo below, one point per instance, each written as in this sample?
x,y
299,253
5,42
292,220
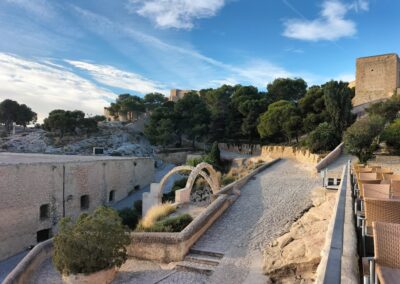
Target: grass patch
x,y
155,213
170,225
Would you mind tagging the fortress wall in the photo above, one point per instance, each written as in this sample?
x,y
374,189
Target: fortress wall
x,y
25,187
377,77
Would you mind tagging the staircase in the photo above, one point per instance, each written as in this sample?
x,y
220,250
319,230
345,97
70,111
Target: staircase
x,y
200,261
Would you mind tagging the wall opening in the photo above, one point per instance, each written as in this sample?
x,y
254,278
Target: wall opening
x,y
137,187
111,196
44,211
84,202
43,235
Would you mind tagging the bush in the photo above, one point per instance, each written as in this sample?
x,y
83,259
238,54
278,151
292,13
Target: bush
x,y
95,242
391,135
130,217
171,224
195,161
155,214
323,138
227,180
361,138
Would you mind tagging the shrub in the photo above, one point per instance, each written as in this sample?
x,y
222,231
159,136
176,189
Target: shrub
x,y
388,109
227,179
323,138
95,242
361,138
171,224
130,217
155,214
195,161
391,135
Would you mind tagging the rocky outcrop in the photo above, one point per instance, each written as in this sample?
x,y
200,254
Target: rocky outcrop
x,y
116,138
294,257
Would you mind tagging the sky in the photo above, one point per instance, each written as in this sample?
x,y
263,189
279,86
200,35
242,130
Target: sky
x,y
74,54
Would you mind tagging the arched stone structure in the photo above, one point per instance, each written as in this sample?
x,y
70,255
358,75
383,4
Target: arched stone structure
x,y
154,197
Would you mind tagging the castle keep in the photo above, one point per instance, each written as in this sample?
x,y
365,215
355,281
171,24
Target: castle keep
x,y
377,78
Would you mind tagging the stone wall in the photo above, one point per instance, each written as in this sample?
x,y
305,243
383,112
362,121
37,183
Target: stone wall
x,y
23,272
26,186
285,152
247,149
377,77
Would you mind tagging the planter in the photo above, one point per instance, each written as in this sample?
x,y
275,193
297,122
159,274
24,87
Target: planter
x,y
100,277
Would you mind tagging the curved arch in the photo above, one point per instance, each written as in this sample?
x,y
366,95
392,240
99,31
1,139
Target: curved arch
x,y
172,172
212,178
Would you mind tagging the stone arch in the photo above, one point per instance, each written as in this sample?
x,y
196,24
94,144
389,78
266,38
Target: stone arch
x,y
212,178
170,173
183,195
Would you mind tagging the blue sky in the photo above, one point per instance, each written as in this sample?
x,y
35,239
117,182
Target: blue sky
x,y
79,54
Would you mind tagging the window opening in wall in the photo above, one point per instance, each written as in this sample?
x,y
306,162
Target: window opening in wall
x,y
137,187
44,211
111,196
43,235
84,202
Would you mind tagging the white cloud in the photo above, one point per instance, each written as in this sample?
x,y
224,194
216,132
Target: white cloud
x,y
44,87
111,76
178,14
360,5
332,23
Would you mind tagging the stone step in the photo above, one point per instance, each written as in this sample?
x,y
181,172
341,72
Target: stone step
x,y
208,253
195,267
203,259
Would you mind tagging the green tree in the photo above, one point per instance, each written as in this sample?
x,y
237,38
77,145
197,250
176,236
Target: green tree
x,y
287,89
219,103
338,104
361,139
281,120
214,156
154,100
391,135
25,116
313,109
192,116
388,109
126,103
63,122
161,128
95,242
323,138
12,112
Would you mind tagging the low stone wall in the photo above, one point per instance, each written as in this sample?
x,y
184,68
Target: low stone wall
x,y
248,149
330,158
348,272
302,155
22,273
169,247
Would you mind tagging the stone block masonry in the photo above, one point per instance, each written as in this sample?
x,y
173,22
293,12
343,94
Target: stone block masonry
x,y
37,190
377,78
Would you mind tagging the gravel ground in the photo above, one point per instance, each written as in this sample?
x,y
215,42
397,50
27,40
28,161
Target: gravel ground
x,y
267,207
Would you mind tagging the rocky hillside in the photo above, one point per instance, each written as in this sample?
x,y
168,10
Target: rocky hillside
x,y
116,138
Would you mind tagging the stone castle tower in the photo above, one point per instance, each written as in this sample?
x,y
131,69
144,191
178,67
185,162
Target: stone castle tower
x,y
377,78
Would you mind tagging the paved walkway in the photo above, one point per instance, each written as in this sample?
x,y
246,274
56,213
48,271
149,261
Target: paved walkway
x,y
267,206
